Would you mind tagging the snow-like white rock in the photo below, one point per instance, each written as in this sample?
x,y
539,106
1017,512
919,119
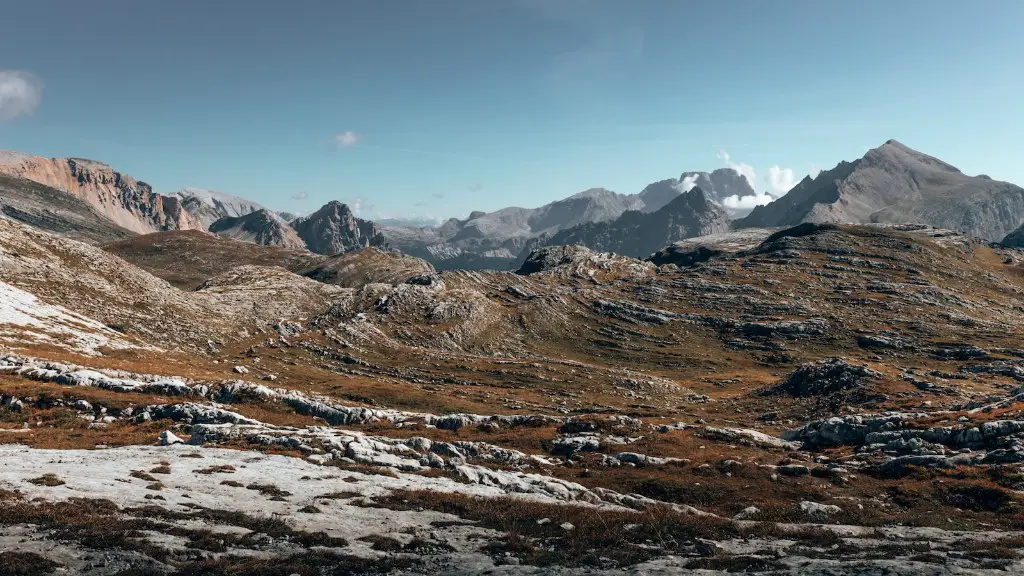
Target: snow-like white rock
x,y
168,438
23,317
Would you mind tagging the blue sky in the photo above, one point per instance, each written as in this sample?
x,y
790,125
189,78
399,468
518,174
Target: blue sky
x,y
439,107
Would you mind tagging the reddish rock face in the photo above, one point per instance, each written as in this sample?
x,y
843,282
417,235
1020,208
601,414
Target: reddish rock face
x,y
130,203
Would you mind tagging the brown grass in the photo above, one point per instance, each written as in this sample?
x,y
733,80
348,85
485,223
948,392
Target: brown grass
x,y
342,495
383,543
48,479
101,525
269,490
143,476
216,469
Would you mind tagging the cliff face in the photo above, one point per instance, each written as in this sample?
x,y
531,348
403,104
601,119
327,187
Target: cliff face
x,y
130,203
55,211
334,229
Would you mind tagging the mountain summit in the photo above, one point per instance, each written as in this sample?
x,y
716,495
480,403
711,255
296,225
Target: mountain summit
x,y
260,227
209,206
334,228
896,184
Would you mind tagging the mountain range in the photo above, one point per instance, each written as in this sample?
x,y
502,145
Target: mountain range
x,y
890,184
639,233
92,201
500,239
816,399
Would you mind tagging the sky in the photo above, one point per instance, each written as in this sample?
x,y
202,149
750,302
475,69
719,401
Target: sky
x,y
435,108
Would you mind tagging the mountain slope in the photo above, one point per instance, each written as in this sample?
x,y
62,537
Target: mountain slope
x,y
366,266
130,203
895,184
187,258
639,234
259,227
55,211
334,229
209,206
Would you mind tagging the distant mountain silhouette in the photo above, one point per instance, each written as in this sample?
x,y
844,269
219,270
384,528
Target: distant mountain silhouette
x,y
639,234
895,184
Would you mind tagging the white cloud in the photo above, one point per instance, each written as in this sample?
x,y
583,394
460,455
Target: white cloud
x,y
687,184
348,139
737,202
20,93
742,168
359,205
780,180
300,195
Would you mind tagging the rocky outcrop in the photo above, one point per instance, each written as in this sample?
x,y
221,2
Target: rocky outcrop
x,y
334,229
638,234
823,378
129,203
895,184
259,227
581,262
1015,239
209,206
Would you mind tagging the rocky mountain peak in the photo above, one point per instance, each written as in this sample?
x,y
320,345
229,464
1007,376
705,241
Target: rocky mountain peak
x,y
209,206
896,184
260,227
900,156
334,228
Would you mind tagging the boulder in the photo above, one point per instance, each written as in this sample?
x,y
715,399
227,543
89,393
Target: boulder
x,y
822,378
819,511
168,438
